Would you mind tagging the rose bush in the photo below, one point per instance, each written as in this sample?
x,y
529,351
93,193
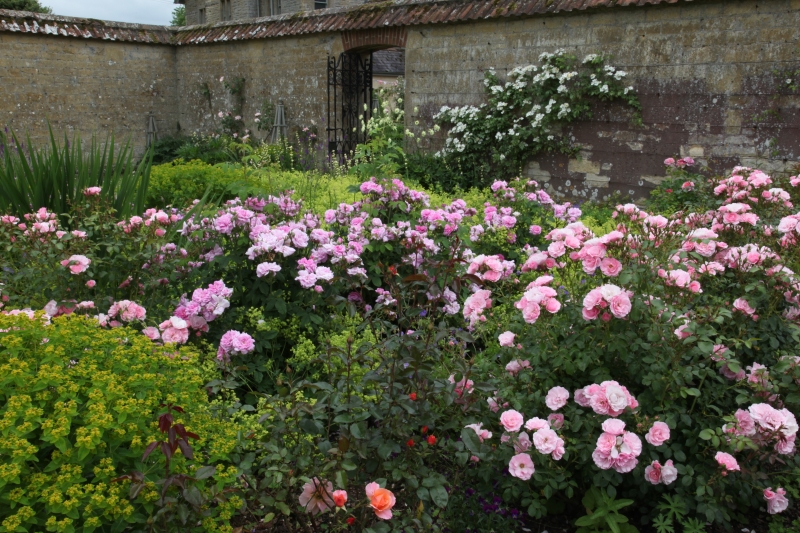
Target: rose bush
x,y
656,361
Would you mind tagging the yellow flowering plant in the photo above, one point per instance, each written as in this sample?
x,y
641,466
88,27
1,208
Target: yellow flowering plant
x,y
78,406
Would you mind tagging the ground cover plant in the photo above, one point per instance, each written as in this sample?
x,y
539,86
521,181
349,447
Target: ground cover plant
x,y
391,363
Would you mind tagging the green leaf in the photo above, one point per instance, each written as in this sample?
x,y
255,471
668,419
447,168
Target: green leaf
x,y
706,434
439,496
423,494
471,440
205,472
310,426
359,430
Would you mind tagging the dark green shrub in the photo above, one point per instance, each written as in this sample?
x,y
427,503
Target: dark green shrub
x,y
179,183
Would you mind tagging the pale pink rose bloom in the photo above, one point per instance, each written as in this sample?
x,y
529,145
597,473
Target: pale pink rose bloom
x,y
633,442
552,305
581,398
512,420
91,283
545,440
610,267
745,425
785,445
789,427
316,496
625,463
557,397
590,314
614,427
606,442
475,459
77,264
531,312
776,500
727,460
513,367
658,434
652,473
620,305
556,420
535,424
617,399
521,466
493,407
506,339
151,333
601,459
742,305
92,191
523,443
559,452
483,434
599,404
668,473
766,416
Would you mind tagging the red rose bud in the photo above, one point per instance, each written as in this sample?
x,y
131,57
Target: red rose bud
x,y
413,396
424,429
351,520
410,443
431,440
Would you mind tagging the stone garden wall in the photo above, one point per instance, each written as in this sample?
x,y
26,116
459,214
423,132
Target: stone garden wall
x,y
86,85
711,77
718,79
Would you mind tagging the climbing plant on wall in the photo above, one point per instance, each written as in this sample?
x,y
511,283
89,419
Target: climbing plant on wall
x,y
525,115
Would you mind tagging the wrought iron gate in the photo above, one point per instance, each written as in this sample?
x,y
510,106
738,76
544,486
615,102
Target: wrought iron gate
x,y
349,101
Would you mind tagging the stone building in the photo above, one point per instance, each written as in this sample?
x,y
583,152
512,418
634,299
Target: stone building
x,y
213,11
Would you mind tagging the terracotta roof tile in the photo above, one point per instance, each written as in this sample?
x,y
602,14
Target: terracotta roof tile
x,y
45,24
390,13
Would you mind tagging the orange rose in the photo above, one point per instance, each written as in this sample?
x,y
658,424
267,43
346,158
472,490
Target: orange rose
x,y
381,500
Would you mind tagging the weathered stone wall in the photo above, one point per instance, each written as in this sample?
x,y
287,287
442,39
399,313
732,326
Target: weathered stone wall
x,y
86,85
292,69
711,77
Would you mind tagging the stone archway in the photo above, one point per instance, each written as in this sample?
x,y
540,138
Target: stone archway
x,y
350,85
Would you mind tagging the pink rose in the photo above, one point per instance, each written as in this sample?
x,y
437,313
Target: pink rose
x,y
513,367
507,339
742,305
606,442
766,416
151,333
620,305
610,267
557,398
614,427
727,460
776,500
556,420
535,424
511,420
652,473
521,466
658,434
668,473
77,264
745,425
545,440
91,283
